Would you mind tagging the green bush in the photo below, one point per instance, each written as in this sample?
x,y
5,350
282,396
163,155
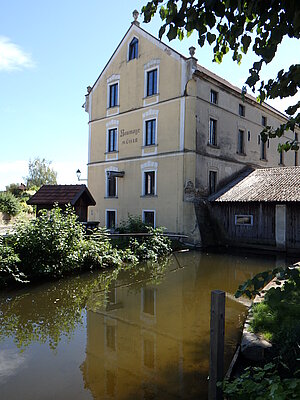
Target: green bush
x,y
9,263
55,243
261,384
9,204
133,224
151,247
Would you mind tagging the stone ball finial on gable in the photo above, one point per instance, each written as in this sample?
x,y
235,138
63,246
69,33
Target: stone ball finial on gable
x,y
192,50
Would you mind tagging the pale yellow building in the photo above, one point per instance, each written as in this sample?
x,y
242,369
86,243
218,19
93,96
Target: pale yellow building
x,y
164,133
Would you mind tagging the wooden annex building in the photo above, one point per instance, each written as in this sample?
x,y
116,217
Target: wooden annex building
x,y
77,195
262,210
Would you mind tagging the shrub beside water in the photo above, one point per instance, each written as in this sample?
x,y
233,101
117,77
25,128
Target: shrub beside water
x,y
55,244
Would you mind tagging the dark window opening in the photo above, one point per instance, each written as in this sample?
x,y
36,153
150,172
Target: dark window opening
x,y
241,110
133,49
111,381
113,95
150,183
111,337
263,150
110,219
241,149
111,186
264,120
212,132
149,353
150,132
152,82
213,97
112,140
148,301
249,136
212,182
149,218
281,158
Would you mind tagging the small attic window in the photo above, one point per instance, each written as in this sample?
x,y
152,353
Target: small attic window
x,y
133,49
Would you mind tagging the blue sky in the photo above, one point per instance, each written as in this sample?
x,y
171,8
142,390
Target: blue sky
x,y
50,51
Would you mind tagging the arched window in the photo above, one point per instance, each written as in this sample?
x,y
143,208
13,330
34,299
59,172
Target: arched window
x,y
133,49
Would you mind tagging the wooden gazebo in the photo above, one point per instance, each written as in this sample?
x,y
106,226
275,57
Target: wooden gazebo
x,y
78,196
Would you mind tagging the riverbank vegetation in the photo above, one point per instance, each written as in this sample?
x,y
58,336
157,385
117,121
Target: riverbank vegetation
x,y
55,244
277,319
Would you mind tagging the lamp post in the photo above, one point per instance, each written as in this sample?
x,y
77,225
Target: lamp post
x,y
78,173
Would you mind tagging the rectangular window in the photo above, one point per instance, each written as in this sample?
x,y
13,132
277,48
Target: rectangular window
x,y
213,97
281,158
241,149
110,219
149,183
149,218
113,95
263,150
152,82
149,301
212,182
111,337
148,353
249,136
133,49
243,219
111,381
150,132
264,120
111,186
241,110
296,151
212,140
112,140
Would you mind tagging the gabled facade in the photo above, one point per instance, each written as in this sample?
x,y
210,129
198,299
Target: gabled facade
x,y
165,132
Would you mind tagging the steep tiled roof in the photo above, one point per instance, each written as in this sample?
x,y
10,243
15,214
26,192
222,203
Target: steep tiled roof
x,y
61,194
280,184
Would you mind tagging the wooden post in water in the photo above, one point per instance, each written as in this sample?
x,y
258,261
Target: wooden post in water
x,y
217,328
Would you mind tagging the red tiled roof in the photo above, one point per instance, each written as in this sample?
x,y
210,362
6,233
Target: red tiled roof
x,y
280,184
61,194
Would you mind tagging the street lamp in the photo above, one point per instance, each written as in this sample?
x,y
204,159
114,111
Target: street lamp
x,y
78,173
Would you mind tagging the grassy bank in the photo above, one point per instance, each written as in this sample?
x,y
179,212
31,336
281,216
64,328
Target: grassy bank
x,y
277,319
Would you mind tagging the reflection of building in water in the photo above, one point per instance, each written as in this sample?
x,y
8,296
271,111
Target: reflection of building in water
x,y
152,341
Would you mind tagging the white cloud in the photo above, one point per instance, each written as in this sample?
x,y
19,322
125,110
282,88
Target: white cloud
x,y
12,57
10,362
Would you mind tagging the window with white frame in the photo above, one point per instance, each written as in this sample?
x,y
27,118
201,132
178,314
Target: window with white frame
x,y
111,188
112,138
149,178
149,183
113,95
150,132
212,139
149,217
152,82
110,219
133,50
243,219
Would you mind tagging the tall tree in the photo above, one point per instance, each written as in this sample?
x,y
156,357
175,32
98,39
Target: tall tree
x,y
40,173
235,25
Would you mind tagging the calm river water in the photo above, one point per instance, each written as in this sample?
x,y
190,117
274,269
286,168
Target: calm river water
x,y
142,333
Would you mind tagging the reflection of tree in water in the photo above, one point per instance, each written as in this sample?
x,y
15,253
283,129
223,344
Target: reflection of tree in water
x,y
48,313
